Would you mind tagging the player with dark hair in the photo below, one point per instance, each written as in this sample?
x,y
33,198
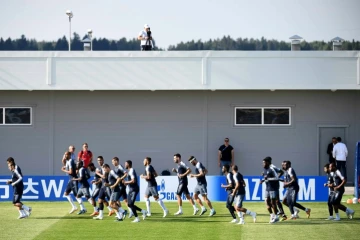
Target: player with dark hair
x,y
18,187
272,186
121,172
113,183
11,160
201,187
279,173
229,187
338,184
239,194
84,186
329,183
105,191
294,189
291,183
98,183
72,185
133,191
182,171
151,189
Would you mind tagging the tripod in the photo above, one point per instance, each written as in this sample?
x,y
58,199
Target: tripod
x,y
148,43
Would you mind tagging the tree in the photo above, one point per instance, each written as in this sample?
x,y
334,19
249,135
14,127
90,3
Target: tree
x,y
123,44
62,44
8,45
76,44
21,43
2,44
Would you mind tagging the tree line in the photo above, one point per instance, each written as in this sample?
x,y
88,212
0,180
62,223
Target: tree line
x,y
123,44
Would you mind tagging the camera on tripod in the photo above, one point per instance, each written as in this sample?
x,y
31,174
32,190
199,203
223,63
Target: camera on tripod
x,y
148,32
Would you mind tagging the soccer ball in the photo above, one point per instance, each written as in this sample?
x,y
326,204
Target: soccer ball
x,y
349,201
354,200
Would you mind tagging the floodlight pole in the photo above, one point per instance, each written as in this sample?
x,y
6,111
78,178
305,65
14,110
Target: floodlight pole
x,y
70,15
69,33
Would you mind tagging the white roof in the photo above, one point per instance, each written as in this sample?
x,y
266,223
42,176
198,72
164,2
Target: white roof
x,y
179,70
337,39
296,37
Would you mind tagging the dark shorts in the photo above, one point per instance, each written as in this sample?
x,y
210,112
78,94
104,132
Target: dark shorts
x,y
182,189
123,193
115,196
72,186
272,194
230,199
201,189
104,193
83,192
17,198
132,197
151,191
336,197
291,195
95,193
239,200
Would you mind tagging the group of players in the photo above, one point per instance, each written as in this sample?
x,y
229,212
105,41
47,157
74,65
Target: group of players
x,y
110,187
111,183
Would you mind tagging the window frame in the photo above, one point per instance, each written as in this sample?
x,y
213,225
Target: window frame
x,y
17,124
263,116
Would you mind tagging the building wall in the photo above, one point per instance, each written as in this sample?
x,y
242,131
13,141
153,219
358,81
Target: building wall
x,y
135,124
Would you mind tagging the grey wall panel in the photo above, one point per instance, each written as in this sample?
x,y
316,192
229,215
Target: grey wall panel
x,y
135,124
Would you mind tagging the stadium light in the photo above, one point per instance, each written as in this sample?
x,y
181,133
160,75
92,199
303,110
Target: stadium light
x,y
70,15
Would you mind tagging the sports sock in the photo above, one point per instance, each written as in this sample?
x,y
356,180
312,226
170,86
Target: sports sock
x,y
147,201
194,207
26,208
80,203
180,208
118,214
121,210
69,198
161,203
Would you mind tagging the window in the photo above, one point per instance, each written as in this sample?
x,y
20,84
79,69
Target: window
x,y
15,115
265,116
248,116
277,116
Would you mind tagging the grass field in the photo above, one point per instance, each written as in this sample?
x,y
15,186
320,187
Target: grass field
x,y
50,220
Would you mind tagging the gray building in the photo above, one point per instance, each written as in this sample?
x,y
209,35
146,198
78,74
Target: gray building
x,y
286,105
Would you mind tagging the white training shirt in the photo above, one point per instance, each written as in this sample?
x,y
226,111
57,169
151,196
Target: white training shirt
x,y
340,152
143,42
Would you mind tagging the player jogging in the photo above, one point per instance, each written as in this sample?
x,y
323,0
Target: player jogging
x,y
201,187
151,189
182,172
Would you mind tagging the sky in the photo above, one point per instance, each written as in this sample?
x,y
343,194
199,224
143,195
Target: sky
x,y
174,21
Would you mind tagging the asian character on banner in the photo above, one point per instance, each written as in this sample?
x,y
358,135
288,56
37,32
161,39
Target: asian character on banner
x,y
6,188
28,187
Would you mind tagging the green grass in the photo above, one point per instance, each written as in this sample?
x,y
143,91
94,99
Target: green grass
x,y
50,220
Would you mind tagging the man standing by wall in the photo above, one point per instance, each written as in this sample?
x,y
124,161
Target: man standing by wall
x,y
85,155
225,155
330,150
340,154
